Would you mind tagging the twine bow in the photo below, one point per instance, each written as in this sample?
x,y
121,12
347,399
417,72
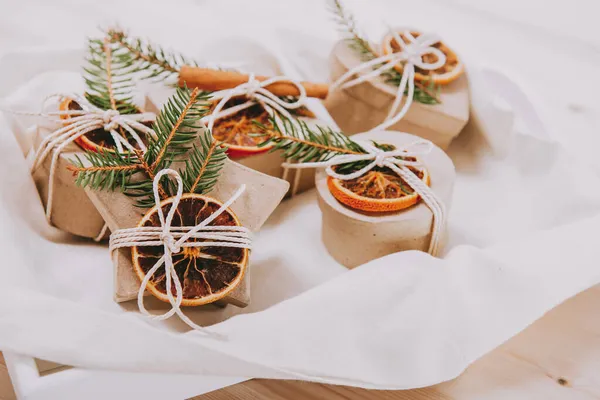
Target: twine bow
x,y
83,121
411,55
256,92
389,159
173,239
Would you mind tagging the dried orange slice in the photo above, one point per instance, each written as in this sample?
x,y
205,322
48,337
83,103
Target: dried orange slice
x,y
236,130
379,190
449,72
207,274
96,140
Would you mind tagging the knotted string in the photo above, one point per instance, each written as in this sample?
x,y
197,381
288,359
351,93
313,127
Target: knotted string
x,y
410,55
256,93
174,239
80,122
389,159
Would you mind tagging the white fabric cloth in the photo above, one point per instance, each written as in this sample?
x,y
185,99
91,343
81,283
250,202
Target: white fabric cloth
x,y
523,229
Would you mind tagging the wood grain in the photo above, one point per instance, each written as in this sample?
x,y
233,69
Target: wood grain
x,y
556,358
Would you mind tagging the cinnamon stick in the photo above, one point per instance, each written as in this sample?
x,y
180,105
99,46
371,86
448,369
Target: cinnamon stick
x,y
215,80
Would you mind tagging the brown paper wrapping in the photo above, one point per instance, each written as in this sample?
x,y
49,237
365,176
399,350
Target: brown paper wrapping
x,y
262,195
366,105
72,210
354,238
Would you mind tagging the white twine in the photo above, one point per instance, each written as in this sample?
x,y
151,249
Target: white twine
x,y
256,93
411,56
83,121
173,239
380,158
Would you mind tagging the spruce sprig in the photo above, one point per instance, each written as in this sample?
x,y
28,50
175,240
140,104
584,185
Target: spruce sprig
x,y
302,143
107,170
108,77
176,128
426,94
204,165
153,61
299,142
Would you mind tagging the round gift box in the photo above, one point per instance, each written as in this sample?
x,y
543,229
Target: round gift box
x,y
354,238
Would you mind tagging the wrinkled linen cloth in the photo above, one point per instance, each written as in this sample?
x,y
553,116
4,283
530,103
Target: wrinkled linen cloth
x,y
523,226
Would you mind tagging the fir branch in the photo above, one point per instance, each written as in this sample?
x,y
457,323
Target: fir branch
x,y
426,94
153,60
108,76
204,165
176,127
107,170
300,142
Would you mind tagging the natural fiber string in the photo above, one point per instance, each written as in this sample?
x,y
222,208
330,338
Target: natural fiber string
x,y
411,55
80,122
256,93
389,159
173,239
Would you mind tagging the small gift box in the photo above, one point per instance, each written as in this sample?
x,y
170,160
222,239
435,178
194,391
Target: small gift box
x,y
354,237
107,118
27,109
239,101
411,82
262,195
380,192
69,209
163,235
367,105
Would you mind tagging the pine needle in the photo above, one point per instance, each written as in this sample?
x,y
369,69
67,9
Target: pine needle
x,y
204,165
176,128
153,61
108,77
356,40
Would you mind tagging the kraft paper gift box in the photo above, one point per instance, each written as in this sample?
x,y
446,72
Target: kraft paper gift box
x,y
262,195
354,238
364,106
254,58
72,211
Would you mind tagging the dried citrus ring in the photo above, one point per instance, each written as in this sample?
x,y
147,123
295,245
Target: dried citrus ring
x,y
449,72
207,274
379,190
236,130
96,140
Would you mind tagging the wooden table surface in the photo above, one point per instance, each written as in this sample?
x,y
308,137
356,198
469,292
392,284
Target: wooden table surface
x,y
558,357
